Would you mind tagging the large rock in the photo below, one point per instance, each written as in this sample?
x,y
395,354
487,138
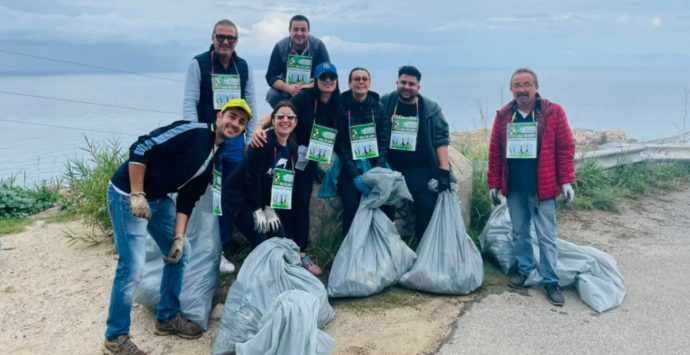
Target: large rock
x,y
326,216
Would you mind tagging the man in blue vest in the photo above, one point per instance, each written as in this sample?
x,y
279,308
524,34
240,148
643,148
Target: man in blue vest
x,y
293,60
213,78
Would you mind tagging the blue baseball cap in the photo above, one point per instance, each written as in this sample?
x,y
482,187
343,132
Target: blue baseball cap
x,y
325,67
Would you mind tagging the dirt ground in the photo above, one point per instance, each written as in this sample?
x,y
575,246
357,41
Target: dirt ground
x,y
54,299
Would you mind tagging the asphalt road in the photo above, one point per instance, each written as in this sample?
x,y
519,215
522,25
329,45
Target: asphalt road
x,y
650,240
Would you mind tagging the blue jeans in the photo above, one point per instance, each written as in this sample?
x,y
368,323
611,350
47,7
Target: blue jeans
x,y
130,242
231,157
525,209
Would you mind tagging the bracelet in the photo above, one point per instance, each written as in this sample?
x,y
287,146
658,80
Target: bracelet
x,y
138,194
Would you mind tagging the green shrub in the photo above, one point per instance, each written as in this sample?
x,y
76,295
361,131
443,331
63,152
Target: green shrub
x,y
88,182
18,201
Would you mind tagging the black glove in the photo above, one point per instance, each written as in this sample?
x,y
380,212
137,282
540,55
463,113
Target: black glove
x,y
443,178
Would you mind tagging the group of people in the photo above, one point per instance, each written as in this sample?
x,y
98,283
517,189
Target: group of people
x,y
261,172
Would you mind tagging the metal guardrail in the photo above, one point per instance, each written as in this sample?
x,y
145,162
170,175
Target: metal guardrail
x,y
634,153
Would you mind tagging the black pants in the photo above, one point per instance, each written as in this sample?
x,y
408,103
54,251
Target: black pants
x,y
351,198
297,228
244,221
424,199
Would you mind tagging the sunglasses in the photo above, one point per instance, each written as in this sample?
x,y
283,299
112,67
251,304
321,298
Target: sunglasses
x,y
221,38
328,76
282,116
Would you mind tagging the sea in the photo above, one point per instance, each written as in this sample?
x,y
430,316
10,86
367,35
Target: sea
x,y
46,120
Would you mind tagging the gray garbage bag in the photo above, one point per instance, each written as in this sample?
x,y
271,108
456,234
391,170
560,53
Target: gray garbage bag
x,y
202,243
289,327
372,256
593,272
496,239
270,269
447,262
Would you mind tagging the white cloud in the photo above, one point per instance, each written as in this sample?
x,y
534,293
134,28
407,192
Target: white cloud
x,y
338,45
451,26
655,21
264,34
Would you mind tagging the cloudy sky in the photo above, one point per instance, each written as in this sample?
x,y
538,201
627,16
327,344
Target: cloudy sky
x,y
162,36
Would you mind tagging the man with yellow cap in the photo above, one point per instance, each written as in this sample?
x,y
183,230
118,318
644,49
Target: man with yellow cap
x,y
177,158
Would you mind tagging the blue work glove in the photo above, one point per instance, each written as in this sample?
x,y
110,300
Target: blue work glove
x,y
364,189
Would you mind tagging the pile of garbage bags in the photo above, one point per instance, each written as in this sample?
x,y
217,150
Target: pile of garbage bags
x,y
372,255
202,243
260,314
594,273
447,262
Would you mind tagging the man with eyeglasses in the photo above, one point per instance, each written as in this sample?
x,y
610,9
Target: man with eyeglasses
x,y
418,143
292,63
213,78
531,161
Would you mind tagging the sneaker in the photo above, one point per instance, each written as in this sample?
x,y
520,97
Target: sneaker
x,y
180,327
225,265
121,345
516,280
309,265
554,294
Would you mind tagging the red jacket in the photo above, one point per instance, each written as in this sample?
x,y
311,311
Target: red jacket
x,y
556,158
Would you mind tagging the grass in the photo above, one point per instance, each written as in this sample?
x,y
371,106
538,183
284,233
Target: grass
x,y
13,225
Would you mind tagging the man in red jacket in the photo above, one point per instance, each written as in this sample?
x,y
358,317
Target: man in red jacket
x,y
532,160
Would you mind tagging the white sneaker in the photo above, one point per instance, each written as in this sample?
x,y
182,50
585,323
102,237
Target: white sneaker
x,y
225,265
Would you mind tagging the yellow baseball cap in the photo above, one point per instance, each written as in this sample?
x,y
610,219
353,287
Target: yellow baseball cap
x,y
238,103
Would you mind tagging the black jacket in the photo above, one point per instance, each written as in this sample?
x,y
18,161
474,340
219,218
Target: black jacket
x,y
430,116
247,185
356,113
277,65
173,154
204,108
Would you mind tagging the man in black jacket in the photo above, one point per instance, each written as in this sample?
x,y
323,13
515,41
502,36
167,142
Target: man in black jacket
x,y
418,144
293,60
177,158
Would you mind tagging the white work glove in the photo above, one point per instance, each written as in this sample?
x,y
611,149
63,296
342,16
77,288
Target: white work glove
x,y
175,252
495,196
302,161
260,222
568,193
139,206
272,219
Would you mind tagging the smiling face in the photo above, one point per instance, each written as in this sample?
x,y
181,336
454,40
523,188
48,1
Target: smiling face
x,y
407,88
228,39
524,89
360,82
284,121
299,33
327,82
230,123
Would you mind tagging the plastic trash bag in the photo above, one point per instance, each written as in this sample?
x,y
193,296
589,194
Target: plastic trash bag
x,y
448,262
289,327
593,272
270,269
496,239
202,243
372,255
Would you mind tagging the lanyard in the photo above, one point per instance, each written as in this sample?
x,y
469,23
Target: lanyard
x,y
395,109
316,107
349,118
213,69
512,120
293,51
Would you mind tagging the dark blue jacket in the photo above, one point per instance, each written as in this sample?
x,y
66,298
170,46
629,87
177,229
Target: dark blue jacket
x,y
277,65
173,154
204,108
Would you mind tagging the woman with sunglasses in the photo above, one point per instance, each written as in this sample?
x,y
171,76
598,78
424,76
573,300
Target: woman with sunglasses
x,y
256,193
318,109
363,142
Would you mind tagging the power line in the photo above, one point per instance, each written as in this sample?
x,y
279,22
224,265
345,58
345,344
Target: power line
x,y
67,127
88,103
89,65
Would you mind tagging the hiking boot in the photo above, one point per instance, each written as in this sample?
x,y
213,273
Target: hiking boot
x,y
180,327
554,294
311,267
121,345
226,267
516,280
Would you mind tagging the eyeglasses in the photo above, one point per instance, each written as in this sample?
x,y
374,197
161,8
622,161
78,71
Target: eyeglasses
x,y
221,38
526,85
282,116
328,76
361,78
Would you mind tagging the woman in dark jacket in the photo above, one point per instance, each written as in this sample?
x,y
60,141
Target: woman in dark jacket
x,y
361,110
319,105
247,191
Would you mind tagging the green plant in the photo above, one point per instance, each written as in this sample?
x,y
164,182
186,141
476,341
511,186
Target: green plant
x,y
88,182
18,201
